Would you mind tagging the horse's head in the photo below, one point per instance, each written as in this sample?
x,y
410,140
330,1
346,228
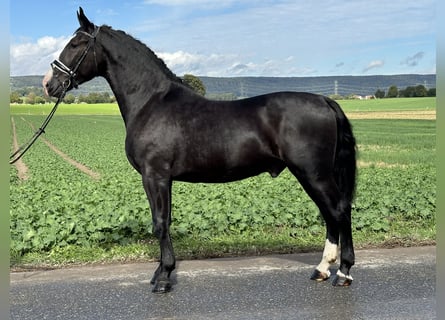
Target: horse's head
x,y
78,61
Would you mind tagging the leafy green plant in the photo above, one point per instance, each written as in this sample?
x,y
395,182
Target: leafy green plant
x,y
60,207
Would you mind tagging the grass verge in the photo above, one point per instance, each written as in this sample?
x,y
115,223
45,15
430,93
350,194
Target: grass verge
x,y
188,248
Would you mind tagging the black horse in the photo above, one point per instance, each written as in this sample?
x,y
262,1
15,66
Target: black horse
x,y
172,133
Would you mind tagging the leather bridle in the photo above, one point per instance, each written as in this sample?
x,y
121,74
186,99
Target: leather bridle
x,y
72,73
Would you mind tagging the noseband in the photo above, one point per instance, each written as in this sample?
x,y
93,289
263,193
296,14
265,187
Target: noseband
x,y
72,73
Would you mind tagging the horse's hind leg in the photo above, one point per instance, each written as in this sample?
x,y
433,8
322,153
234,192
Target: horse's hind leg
x,y
330,254
337,214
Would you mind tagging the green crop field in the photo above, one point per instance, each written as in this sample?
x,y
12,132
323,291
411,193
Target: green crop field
x,y
67,109
388,105
59,214
405,104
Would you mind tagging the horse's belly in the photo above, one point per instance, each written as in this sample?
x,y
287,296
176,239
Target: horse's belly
x,y
217,174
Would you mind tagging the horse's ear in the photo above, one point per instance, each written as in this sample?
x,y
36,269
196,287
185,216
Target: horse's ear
x,y
85,24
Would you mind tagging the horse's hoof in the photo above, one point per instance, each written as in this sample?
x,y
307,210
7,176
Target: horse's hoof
x,y
162,287
320,276
155,277
341,280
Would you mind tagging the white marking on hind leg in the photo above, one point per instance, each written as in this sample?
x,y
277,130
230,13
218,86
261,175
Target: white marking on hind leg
x,y
330,254
342,275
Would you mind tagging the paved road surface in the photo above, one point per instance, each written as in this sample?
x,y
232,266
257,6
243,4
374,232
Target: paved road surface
x,y
388,284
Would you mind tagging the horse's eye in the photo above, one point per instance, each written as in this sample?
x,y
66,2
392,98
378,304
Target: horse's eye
x,y
74,44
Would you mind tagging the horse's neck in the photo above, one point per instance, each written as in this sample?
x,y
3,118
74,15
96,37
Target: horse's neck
x,y
133,94
133,84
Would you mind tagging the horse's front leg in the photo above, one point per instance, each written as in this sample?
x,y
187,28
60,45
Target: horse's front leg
x,y
159,195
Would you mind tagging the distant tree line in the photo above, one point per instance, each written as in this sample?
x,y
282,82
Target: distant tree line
x,y
30,95
408,92
35,95
92,97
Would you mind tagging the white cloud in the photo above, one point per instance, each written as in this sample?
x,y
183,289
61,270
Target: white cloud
x,y
33,58
373,65
229,65
182,62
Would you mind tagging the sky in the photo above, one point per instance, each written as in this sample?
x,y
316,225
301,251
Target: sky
x,y
231,38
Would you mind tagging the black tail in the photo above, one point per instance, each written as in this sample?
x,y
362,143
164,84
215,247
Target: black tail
x,y
345,157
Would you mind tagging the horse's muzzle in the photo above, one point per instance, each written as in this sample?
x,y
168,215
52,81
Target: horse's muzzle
x,y
53,87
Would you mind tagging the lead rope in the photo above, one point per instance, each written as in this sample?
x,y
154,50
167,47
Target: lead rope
x,y
24,147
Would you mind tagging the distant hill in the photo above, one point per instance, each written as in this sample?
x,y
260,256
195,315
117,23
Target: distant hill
x,y
342,85
251,86
95,85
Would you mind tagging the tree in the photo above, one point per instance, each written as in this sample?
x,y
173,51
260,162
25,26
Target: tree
x,y
69,98
420,91
393,92
82,98
105,97
431,92
39,100
31,98
195,83
14,97
408,92
379,94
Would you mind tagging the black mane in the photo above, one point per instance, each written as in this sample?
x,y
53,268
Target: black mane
x,y
132,41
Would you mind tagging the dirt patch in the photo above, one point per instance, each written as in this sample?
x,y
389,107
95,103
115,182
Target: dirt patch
x,y
77,165
94,175
22,168
379,164
376,147
420,115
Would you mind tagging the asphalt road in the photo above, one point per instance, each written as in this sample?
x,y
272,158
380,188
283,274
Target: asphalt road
x,y
388,284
